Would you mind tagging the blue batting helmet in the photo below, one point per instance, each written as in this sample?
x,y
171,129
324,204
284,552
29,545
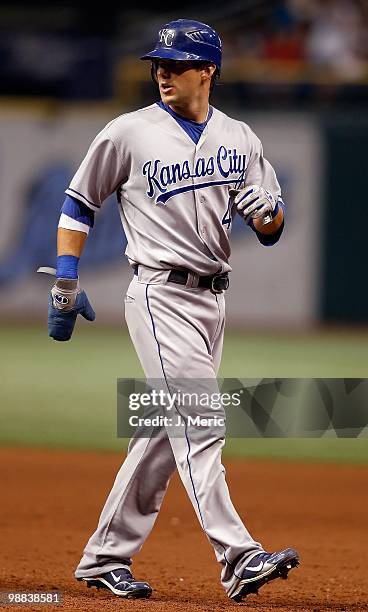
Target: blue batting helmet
x,y
187,40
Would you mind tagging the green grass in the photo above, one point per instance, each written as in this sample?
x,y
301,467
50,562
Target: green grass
x,y
301,449
64,394
324,355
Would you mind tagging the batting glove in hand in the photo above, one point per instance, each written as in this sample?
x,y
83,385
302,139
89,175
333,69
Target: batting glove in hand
x,y
253,202
66,301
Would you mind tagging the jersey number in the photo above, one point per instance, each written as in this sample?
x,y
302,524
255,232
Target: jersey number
x,y
226,219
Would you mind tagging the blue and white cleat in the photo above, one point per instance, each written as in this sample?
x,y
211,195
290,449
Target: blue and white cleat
x,y
263,568
121,583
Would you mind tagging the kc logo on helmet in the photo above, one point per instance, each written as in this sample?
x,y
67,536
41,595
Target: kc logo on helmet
x,y
166,36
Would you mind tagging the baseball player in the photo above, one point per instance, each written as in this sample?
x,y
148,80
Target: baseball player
x,y
181,170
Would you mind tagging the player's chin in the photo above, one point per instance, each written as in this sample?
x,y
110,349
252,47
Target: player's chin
x,y
168,96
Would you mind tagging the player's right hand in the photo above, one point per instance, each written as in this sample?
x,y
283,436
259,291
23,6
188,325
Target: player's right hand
x,y
66,302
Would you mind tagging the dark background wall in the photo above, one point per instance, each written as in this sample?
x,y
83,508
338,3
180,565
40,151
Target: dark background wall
x,y
345,278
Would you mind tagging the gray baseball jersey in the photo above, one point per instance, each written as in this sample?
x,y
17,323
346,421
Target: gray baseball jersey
x,y
173,194
176,212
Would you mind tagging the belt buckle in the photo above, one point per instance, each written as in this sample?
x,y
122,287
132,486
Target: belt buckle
x,y
217,277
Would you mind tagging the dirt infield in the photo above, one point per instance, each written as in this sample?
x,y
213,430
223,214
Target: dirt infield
x,y
50,502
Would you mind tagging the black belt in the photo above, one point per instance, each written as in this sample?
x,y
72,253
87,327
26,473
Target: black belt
x,y
216,282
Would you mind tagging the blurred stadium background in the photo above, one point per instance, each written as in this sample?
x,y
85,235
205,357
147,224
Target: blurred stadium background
x,y
297,72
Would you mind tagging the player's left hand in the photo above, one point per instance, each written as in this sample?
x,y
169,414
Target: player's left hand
x,y
253,202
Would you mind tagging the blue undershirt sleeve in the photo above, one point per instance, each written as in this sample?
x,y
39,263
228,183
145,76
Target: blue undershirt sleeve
x,y
79,211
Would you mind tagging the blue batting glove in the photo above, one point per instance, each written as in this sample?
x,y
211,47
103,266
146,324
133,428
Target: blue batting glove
x,y
66,302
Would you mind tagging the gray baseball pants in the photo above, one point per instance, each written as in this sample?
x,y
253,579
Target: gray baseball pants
x,y
177,332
